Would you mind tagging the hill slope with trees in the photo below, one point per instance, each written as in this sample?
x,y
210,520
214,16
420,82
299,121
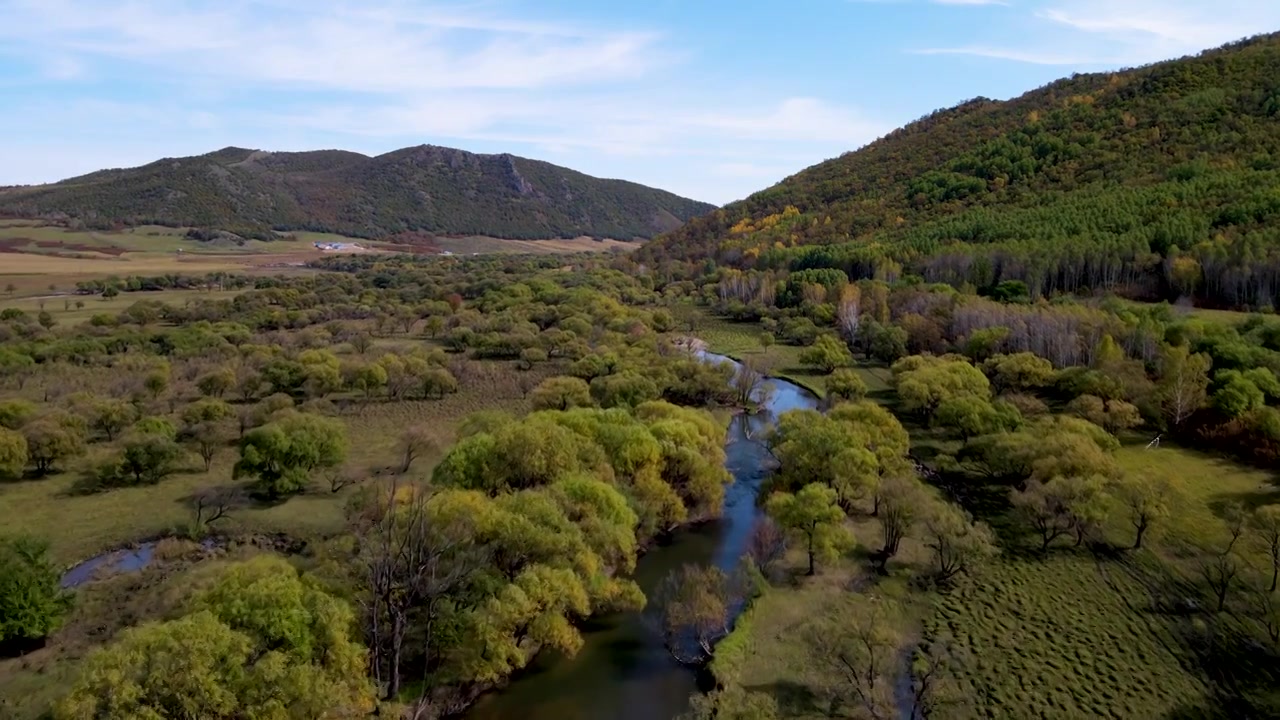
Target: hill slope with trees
x,y
1161,181
424,188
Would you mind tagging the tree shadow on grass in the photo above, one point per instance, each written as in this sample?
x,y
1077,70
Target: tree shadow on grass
x,y
794,699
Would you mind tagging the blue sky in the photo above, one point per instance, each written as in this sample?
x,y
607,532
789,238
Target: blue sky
x,y
712,99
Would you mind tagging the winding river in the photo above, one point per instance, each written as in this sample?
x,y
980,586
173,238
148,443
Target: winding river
x,y
623,672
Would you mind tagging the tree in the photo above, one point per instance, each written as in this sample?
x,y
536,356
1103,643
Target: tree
x,y
46,320
156,382
694,608
902,498
1221,573
827,354
1184,379
213,504
369,378
531,356
1265,523
51,440
411,561
1020,372
13,453
846,384
110,416
32,604
766,545
561,393
207,428
261,642
971,416
1147,500
283,454
149,456
217,383
858,643
934,381
957,542
1044,506
414,442
438,382
9,289
815,515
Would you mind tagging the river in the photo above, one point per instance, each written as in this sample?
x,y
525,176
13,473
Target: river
x,y
622,671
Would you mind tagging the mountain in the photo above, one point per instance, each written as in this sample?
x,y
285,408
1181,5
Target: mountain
x,y
1164,179
436,189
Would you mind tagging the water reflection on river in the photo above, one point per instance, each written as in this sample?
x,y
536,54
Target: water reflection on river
x,y
622,671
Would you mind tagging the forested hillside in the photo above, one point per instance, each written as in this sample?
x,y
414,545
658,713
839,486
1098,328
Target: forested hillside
x,y
428,188
1162,181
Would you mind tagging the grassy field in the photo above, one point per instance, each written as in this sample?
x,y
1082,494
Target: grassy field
x,y
486,245
69,309
113,519
743,340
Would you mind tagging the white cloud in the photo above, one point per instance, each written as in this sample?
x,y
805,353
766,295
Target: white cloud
x,y
1126,32
379,74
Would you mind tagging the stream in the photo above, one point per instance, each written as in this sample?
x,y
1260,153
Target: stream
x,y
622,671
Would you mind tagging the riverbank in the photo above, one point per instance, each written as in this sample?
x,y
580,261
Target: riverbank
x,y
623,671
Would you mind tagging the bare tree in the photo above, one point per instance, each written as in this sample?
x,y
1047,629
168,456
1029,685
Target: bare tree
x,y
216,503
410,564
343,477
766,545
415,442
933,690
1221,574
860,646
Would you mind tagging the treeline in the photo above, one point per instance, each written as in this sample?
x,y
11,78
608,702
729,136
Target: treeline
x,y
1157,182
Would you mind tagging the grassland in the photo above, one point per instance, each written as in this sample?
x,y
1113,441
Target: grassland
x,y
743,340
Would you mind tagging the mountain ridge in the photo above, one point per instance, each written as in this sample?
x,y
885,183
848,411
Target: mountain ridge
x,y
256,193
1128,169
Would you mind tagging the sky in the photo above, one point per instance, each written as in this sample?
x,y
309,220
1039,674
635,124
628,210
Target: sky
x,y
711,99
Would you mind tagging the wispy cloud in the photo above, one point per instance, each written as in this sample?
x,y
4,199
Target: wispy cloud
x,y
377,74
1123,32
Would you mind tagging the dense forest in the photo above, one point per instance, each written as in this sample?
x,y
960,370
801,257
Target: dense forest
x,y
1160,183
432,189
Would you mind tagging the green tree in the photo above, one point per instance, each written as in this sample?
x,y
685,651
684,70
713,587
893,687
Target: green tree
x,y
815,515
693,607
827,354
207,428
970,416
13,453
149,456
261,642
1184,380
50,440
217,382
624,389
282,455
15,413
32,604
956,542
561,393
110,416
846,384
1020,372
924,387
369,378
